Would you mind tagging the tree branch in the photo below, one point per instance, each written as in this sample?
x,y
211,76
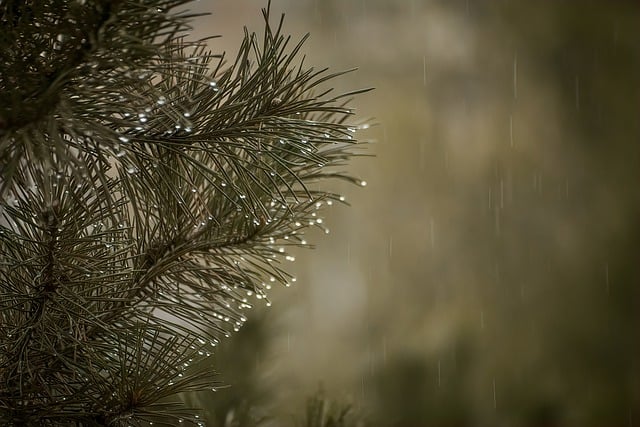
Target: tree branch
x,y
35,98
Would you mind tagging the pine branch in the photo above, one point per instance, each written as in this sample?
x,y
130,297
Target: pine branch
x,y
151,190
59,75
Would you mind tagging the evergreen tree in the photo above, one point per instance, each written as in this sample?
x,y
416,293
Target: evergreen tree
x,y
149,190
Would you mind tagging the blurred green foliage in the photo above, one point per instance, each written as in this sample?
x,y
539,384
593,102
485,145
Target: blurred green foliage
x,y
499,236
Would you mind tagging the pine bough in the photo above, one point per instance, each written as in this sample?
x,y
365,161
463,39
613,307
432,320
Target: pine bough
x,y
150,190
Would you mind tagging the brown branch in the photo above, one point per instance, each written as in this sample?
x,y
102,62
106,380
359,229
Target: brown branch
x,y
24,104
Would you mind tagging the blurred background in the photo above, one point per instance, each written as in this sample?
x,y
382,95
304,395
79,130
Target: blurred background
x,y
488,273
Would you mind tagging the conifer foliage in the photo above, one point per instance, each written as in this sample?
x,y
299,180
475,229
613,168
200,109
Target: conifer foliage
x,y
150,190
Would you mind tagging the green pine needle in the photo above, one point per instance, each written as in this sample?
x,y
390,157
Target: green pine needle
x,y
148,188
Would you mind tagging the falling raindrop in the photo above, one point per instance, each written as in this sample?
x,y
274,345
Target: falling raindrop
x,y
511,130
495,402
577,93
515,75
432,234
424,70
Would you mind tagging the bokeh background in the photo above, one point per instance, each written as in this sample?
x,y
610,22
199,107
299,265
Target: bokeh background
x,y
488,273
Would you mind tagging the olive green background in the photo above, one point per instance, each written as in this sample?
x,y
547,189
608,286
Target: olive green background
x,y
488,274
